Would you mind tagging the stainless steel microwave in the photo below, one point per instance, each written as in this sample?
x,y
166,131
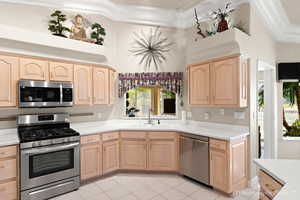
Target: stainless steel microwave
x,y
37,94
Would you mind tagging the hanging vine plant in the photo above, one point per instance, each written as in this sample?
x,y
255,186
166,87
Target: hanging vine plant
x,y
151,48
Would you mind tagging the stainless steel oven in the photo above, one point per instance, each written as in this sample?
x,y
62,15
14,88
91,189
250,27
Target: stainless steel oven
x,y
45,94
44,165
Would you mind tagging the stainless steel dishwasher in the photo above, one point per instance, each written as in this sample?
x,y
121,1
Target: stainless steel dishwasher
x,y
194,157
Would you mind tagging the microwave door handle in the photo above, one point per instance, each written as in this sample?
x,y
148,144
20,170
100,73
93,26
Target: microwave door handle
x,y
41,150
61,94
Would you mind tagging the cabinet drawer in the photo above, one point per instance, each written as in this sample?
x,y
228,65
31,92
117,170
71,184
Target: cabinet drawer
x,y
8,169
218,144
268,185
8,191
10,151
110,136
90,139
133,135
162,135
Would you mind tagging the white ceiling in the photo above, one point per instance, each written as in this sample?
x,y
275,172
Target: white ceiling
x,y
168,4
291,8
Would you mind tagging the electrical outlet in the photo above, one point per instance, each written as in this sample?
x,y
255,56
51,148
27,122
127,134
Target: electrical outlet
x,y
239,115
222,112
206,116
99,115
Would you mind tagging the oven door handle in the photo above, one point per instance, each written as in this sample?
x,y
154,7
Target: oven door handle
x,y
41,150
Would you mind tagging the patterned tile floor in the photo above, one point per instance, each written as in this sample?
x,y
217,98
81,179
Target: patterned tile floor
x,y
151,187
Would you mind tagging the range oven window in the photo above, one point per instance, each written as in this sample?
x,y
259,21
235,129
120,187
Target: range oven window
x,y
39,94
47,163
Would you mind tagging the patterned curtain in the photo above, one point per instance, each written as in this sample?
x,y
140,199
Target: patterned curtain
x,y
172,81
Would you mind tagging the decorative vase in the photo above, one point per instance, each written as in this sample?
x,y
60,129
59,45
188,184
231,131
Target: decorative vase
x,y
223,24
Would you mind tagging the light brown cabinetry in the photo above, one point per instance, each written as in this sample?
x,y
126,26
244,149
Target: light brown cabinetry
x,y
112,86
110,152
8,80
219,82
100,86
163,151
59,71
8,173
91,157
33,69
83,84
228,164
269,187
199,85
134,154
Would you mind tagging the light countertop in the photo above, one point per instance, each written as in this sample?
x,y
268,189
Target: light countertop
x,y
213,130
285,172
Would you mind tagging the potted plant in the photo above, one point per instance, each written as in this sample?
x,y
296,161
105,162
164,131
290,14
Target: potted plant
x,y
55,24
98,32
222,16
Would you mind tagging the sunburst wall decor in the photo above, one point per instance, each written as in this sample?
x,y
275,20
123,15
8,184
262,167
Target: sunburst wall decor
x,y
151,48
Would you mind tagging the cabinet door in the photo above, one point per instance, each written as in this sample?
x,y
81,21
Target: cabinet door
x,y
199,86
110,156
133,154
61,71
91,161
162,155
8,80
83,85
101,85
33,69
218,170
112,86
224,81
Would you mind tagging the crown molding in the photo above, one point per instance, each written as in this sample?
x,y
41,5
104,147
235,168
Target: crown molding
x,y
277,21
177,18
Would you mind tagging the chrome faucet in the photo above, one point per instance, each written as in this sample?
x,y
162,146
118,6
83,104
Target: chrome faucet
x,y
149,116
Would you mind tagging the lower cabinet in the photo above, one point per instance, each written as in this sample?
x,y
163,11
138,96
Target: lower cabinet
x,y
162,155
133,154
110,156
269,187
8,173
91,157
228,165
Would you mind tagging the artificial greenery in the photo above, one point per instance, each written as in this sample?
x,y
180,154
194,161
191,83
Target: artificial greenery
x,y
55,24
98,32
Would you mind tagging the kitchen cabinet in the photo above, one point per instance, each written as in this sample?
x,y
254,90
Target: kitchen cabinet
x,y
228,164
111,150
112,86
101,86
220,82
163,151
8,80
134,154
8,173
91,157
34,69
199,85
60,71
83,84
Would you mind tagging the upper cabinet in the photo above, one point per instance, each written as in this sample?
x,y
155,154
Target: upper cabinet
x,y
33,69
220,82
101,86
8,80
83,84
112,86
199,86
61,71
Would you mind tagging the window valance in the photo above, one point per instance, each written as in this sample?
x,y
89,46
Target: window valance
x,y
172,81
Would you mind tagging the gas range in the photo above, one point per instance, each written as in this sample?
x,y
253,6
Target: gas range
x,y
45,129
49,156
